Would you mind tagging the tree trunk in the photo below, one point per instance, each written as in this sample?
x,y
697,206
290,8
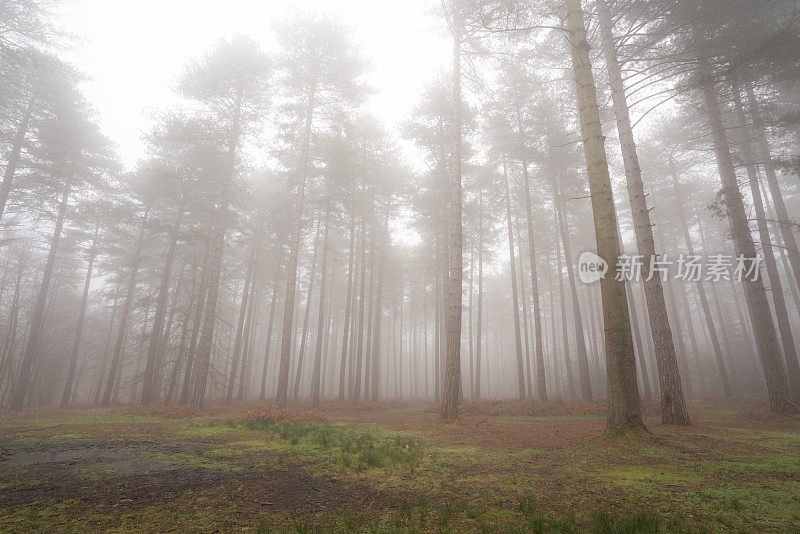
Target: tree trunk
x,y
774,188
215,269
301,354
158,318
376,330
197,319
564,332
281,397
700,288
583,359
270,323
126,310
525,323
347,308
514,298
623,391
12,160
478,337
756,296
356,383
35,332
778,299
452,374
315,375
469,321
673,407
73,360
541,385
249,334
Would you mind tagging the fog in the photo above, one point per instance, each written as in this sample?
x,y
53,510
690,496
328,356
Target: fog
x,y
356,202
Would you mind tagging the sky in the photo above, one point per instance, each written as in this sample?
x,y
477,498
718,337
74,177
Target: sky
x,y
134,51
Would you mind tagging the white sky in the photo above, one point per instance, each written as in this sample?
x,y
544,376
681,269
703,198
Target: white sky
x,y
134,51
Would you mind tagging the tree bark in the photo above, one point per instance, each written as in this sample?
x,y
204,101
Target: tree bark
x,y
270,323
624,409
541,385
376,330
778,299
583,359
301,354
478,333
12,160
755,294
452,372
197,319
315,375
673,406
215,268
158,318
35,332
514,298
564,331
126,310
281,398
347,308
784,222
73,360
356,387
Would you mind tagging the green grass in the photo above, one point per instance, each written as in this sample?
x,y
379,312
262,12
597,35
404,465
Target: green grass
x,y
717,476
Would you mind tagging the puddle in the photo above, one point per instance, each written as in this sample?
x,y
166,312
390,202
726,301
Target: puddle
x,y
125,459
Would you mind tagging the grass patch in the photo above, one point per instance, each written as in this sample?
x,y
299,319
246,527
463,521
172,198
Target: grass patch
x,y
356,449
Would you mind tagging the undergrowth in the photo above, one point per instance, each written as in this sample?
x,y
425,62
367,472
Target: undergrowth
x,y
357,449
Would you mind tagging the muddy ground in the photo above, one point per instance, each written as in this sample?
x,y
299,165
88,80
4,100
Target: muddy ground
x,y
397,468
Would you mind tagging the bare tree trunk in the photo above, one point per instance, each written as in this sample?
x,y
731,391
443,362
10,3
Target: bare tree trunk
x,y
673,407
774,188
73,360
757,304
161,305
778,300
301,355
294,251
623,391
197,319
270,323
126,310
217,250
478,337
701,289
564,331
583,359
315,375
400,351
524,320
250,329
470,322
637,337
7,356
12,159
35,331
376,330
787,269
541,385
362,294
437,328
514,298
452,373
173,377
347,307
368,317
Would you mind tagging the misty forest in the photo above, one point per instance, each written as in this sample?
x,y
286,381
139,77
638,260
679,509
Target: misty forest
x,y
559,293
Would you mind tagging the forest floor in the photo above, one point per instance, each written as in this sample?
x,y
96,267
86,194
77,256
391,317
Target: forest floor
x,y
394,467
